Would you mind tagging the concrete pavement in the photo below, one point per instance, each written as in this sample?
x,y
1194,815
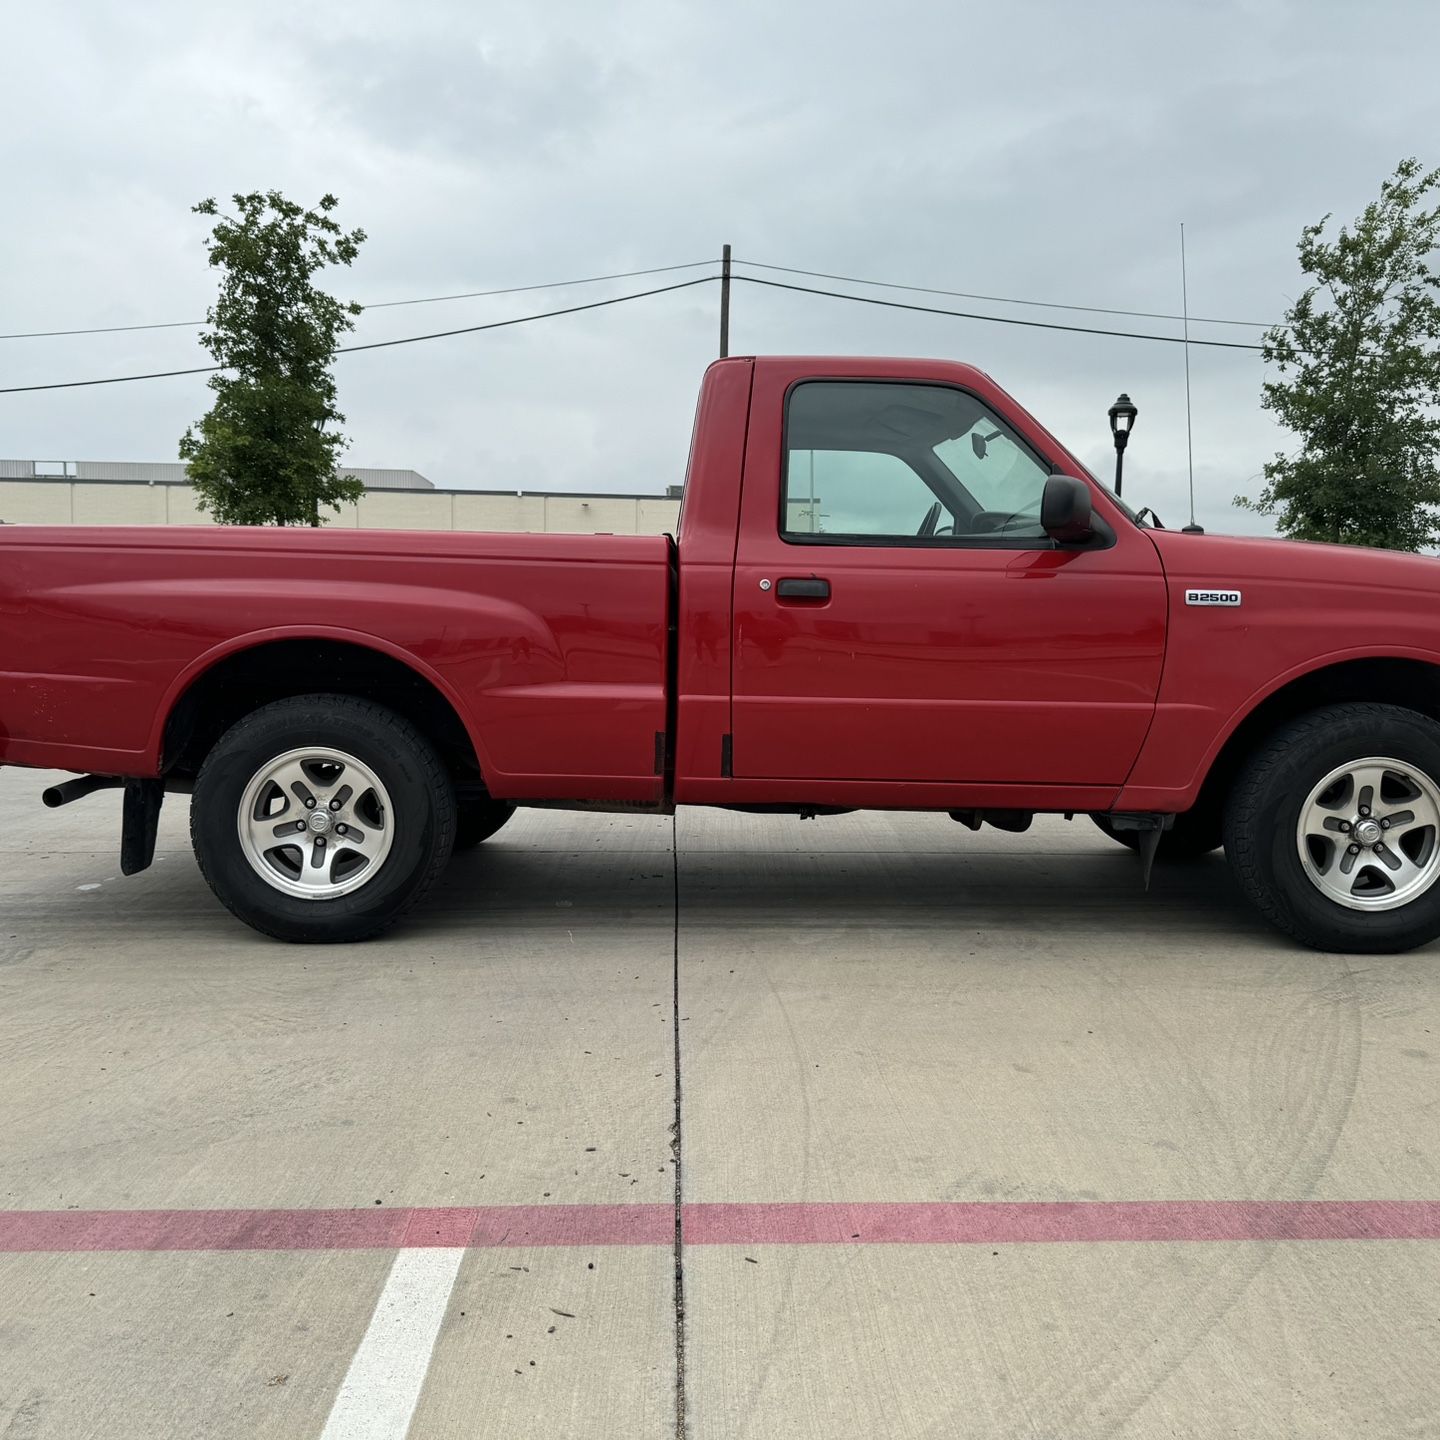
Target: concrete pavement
x,y
511,1047
990,1035
885,1010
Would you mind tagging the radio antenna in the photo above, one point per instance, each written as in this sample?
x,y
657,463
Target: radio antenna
x,y
1189,432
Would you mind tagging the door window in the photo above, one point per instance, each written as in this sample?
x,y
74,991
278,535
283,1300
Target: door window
x,y
870,462
853,492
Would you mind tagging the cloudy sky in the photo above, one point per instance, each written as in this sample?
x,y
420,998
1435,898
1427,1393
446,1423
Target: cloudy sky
x,y
1039,150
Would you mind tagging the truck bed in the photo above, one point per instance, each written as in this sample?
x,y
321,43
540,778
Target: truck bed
x,y
550,648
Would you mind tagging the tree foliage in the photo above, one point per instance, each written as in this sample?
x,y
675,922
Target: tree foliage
x,y
266,452
1359,378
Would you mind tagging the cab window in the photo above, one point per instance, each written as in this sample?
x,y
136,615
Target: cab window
x,y
870,462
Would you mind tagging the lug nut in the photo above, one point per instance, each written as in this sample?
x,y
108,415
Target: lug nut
x,y
300,825
319,842
1384,824
335,804
340,830
310,803
1345,826
1364,810
1354,849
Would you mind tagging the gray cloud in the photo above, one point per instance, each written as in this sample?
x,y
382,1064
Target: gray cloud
x,y
1038,149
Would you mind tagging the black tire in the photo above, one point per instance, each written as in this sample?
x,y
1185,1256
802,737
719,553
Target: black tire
x,y
478,819
1263,814
1194,834
421,797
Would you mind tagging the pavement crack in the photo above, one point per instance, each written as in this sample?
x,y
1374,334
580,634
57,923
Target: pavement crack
x,y
676,1152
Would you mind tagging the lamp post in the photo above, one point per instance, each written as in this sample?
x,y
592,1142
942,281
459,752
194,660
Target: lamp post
x,y
1122,422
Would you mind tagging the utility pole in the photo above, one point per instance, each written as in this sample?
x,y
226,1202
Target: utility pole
x,y
724,301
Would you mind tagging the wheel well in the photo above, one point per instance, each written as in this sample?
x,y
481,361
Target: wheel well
x,y
1414,684
243,682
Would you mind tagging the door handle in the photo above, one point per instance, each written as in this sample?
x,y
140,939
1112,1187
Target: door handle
x,y
808,588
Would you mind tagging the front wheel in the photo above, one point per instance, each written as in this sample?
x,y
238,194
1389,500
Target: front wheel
x,y
322,818
1333,829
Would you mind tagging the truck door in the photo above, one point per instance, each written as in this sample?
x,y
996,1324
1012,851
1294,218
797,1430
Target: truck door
x,y
899,613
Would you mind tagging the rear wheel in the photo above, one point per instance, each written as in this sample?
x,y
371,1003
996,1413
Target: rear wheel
x,y
1333,829
1193,834
322,818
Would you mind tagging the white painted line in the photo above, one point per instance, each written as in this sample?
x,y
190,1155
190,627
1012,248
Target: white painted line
x,y
382,1386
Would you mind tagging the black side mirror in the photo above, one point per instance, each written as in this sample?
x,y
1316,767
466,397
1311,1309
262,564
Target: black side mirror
x,y
1065,510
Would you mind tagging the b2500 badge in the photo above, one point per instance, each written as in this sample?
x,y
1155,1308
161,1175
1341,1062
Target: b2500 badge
x,y
1212,597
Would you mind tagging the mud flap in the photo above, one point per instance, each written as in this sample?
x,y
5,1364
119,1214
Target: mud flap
x,y
1150,827
1149,844
139,825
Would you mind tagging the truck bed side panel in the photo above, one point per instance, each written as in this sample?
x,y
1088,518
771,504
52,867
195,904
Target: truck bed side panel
x,y
551,648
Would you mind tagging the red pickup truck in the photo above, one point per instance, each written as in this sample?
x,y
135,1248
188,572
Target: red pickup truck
x,y
892,588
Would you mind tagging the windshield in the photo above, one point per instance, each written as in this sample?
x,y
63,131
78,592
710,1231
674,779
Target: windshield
x,y
1130,512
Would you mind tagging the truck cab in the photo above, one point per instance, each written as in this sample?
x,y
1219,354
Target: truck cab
x,y
902,629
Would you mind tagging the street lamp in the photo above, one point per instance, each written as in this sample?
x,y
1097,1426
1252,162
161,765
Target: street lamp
x,y
1122,422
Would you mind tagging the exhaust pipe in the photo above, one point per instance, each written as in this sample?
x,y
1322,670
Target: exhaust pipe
x,y
79,788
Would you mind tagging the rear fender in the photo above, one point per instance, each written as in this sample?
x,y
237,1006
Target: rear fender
x,y
257,638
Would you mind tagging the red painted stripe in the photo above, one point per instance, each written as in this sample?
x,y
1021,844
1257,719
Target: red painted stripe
x,y
372,1229
873,1223
1039,1222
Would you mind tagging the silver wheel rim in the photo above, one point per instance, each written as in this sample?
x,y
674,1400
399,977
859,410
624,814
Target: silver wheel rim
x,y
1369,834
316,823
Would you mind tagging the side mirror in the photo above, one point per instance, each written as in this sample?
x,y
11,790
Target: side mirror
x,y
1065,510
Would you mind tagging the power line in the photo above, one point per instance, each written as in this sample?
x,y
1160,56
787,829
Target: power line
x,y
109,380
379,305
662,270
664,290
554,285
101,330
378,344
993,319
524,319
996,299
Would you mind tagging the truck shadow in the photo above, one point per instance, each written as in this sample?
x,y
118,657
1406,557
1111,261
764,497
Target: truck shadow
x,y
1034,893
1081,894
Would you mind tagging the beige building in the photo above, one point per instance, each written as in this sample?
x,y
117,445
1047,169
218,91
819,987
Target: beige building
x,y
87,492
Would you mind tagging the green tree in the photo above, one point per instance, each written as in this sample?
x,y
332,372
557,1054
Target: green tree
x,y
1359,378
266,452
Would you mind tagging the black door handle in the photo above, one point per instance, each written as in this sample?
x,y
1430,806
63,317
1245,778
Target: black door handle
x,y
795,588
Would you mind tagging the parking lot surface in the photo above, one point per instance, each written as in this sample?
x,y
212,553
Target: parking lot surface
x,y
974,1138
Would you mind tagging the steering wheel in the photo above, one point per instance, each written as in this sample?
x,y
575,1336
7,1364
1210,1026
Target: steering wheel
x,y
931,520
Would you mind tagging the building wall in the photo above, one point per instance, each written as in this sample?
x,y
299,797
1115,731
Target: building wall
x,y
176,472
76,502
